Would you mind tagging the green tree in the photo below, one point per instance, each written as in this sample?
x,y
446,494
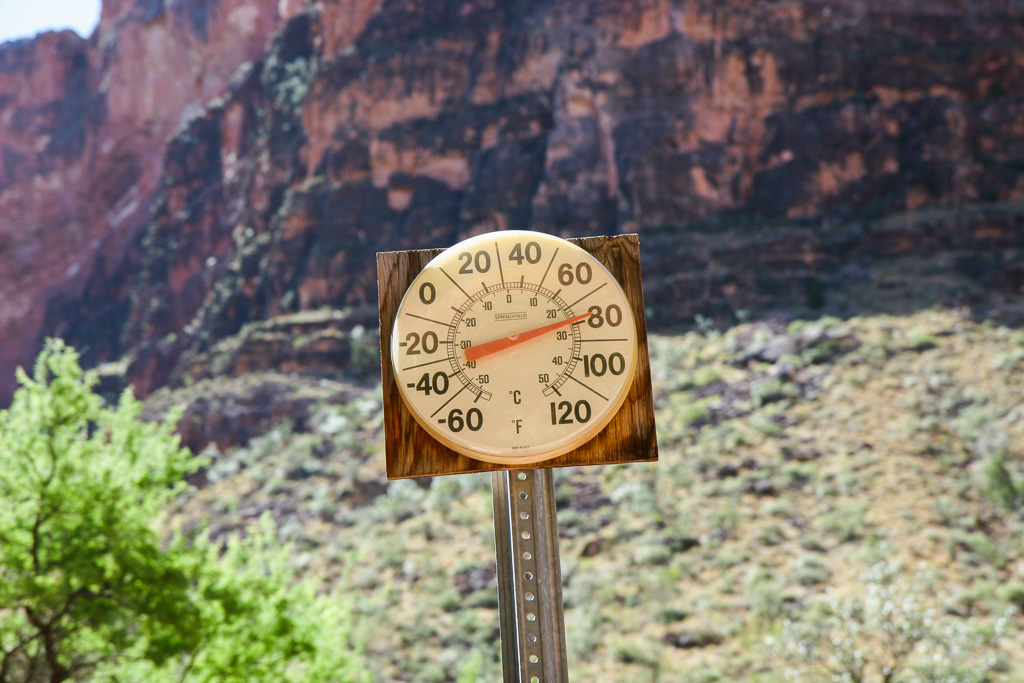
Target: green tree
x,y
90,589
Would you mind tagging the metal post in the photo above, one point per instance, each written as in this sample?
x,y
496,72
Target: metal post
x,y
529,577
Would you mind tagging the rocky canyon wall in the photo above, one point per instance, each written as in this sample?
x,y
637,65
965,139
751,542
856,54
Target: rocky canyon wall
x,y
196,167
84,127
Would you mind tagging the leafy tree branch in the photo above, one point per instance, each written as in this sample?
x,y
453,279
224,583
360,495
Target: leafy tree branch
x,y
91,587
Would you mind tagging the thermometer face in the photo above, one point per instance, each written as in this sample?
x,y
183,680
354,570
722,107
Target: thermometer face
x,y
514,347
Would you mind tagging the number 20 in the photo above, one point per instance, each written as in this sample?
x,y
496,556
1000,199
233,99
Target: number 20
x,y
429,339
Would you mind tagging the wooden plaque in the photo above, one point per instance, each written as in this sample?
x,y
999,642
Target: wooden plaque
x,y
629,437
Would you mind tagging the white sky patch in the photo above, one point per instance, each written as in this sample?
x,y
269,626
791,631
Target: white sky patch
x,y
25,18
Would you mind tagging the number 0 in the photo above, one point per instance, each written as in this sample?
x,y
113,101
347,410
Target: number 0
x,y
427,293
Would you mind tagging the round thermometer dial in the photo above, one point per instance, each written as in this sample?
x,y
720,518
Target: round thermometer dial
x,y
514,347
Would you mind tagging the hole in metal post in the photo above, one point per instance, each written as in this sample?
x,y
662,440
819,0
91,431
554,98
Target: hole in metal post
x,y
524,495
522,476
526,535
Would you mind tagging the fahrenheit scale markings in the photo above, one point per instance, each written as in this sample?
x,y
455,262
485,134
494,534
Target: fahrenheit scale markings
x,y
534,369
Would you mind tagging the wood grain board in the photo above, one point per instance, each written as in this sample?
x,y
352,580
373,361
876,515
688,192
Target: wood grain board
x,y
411,452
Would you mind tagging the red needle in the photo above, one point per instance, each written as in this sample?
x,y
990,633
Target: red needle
x,y
477,352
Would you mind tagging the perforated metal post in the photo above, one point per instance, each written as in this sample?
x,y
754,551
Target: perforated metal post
x,y
529,577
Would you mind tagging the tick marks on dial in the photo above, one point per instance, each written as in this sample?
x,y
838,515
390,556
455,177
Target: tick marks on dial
x,y
421,365
550,263
449,400
497,252
587,386
430,320
466,294
586,295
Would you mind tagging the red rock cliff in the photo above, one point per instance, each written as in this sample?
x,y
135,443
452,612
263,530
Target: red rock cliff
x,y
767,153
84,126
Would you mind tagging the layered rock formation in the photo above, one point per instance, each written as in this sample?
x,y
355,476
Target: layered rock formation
x,y
768,154
84,128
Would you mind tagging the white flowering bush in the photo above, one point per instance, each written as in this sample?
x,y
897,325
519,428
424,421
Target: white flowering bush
x,y
890,635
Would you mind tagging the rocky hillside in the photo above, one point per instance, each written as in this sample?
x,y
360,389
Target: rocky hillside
x,y
806,467
196,166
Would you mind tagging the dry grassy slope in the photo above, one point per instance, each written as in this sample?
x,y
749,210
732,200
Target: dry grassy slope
x,y
793,459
